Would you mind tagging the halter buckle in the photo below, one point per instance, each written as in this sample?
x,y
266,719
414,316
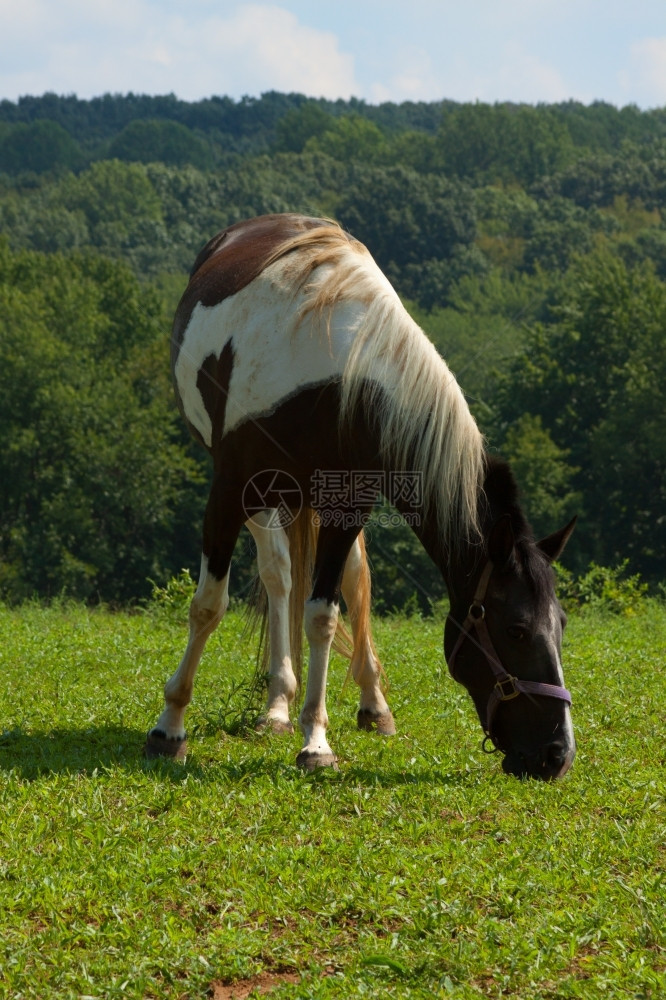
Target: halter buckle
x,y
477,611
506,688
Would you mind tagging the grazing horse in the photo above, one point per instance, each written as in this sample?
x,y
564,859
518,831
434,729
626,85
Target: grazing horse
x,y
297,367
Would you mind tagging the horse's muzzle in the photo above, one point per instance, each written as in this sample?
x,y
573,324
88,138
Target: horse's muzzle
x,y
549,762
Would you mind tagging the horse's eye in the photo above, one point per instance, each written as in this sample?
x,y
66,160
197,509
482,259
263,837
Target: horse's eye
x,y
518,632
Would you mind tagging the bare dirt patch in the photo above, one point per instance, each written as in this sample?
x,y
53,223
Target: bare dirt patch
x,y
262,983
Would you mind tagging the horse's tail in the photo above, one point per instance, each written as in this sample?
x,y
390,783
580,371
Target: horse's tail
x,y
302,534
363,645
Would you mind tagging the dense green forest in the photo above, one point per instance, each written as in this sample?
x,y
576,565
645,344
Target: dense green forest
x,y
529,242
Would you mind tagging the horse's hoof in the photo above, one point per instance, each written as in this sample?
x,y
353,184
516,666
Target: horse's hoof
x,y
158,744
310,761
380,722
268,725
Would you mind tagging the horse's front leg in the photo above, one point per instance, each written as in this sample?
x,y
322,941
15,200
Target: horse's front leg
x,y
373,712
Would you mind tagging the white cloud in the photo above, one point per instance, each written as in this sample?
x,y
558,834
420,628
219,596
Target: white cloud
x,y
512,75
262,47
644,81
122,45
523,77
412,79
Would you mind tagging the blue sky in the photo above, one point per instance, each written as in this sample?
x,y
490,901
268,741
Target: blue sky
x,y
465,50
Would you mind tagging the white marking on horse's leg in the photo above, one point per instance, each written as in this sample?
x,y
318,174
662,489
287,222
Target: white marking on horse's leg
x,y
206,611
274,567
365,666
320,621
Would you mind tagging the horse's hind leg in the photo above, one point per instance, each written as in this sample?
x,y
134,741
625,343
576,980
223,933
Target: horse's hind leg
x,y
274,565
374,712
210,601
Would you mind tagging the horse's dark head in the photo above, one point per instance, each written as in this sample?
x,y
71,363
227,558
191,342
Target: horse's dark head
x,y
502,641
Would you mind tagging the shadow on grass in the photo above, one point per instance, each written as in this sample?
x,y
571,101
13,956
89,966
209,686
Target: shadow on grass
x,y
99,748
76,751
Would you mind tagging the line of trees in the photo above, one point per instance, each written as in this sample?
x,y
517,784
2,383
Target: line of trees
x,y
529,242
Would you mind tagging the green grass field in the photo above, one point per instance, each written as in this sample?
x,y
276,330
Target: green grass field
x,y
417,870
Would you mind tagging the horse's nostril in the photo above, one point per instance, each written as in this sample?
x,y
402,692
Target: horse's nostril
x,y
556,755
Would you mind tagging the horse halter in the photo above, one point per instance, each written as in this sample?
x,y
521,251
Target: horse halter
x,y
507,687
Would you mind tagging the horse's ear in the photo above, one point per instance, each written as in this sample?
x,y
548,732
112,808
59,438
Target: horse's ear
x,y
553,546
501,542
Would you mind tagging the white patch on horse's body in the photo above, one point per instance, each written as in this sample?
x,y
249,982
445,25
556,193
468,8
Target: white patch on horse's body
x,y
276,351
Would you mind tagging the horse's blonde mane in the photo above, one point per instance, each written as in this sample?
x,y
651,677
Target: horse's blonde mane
x,y
395,371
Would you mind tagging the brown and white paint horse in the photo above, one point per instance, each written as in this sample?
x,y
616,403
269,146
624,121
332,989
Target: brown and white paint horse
x,y
292,354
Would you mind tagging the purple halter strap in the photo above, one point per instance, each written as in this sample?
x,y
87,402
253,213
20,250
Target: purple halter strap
x,y
507,687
